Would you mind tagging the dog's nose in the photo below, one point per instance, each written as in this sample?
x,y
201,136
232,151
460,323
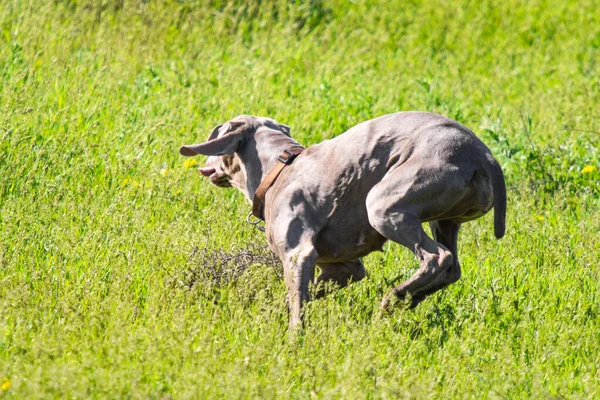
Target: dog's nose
x,y
207,171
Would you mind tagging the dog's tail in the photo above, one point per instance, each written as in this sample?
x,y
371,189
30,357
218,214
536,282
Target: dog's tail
x,y
499,192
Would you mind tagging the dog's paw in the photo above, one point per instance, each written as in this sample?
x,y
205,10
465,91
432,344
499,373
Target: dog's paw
x,y
399,298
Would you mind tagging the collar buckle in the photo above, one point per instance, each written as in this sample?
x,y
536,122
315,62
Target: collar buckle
x,y
286,157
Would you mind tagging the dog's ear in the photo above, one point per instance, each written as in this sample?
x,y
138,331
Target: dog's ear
x,y
214,133
285,129
226,144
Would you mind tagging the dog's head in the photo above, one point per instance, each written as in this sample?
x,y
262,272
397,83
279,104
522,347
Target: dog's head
x,y
224,146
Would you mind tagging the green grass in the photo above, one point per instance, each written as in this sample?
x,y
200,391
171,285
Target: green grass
x,y
99,218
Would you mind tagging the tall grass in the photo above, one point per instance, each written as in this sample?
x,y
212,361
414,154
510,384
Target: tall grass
x,y
101,224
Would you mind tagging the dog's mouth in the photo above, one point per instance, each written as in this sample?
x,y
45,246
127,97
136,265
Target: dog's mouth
x,y
220,181
207,171
215,178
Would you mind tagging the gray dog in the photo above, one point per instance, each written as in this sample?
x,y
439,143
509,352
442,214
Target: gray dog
x,y
341,199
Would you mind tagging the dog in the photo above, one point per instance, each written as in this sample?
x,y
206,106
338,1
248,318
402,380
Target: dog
x,y
337,201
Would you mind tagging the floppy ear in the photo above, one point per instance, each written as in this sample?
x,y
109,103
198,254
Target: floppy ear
x,y
226,144
285,129
214,133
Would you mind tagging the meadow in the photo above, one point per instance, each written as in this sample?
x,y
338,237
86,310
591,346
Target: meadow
x,y
123,274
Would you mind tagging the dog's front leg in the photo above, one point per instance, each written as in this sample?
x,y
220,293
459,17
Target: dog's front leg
x,y
292,228
299,272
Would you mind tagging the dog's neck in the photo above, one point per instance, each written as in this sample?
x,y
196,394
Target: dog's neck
x,y
260,156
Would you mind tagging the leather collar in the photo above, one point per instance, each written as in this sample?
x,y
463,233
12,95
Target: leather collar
x,y
285,158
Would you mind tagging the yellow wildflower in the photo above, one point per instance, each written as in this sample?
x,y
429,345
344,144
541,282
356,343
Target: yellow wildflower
x,y
125,182
539,218
163,172
5,384
588,169
178,192
190,163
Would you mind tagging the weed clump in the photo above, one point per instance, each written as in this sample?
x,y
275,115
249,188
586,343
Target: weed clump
x,y
217,267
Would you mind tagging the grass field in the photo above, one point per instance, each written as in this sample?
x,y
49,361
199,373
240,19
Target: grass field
x,y
108,282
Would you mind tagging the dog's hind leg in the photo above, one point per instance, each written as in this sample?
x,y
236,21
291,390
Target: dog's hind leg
x,y
396,207
341,273
446,233
434,258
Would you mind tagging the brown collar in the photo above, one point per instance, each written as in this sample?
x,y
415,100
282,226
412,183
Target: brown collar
x,y
285,158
